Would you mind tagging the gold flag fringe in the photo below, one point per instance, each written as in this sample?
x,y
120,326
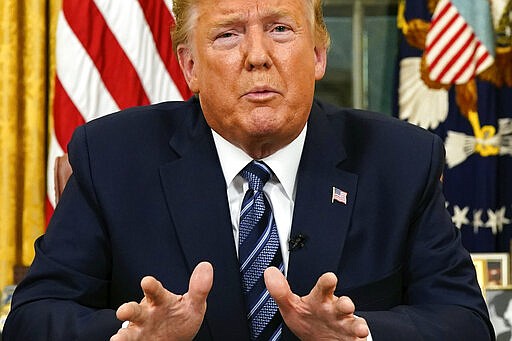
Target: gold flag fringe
x,y
432,5
500,73
415,30
417,33
504,63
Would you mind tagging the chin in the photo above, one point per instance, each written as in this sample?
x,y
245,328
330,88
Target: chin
x,y
264,129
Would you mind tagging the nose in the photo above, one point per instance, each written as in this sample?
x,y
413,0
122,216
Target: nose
x,y
257,50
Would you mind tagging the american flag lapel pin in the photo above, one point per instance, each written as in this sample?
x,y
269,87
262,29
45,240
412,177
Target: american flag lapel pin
x,y
339,196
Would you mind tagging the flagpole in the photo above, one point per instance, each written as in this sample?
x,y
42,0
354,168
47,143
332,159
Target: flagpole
x,y
357,55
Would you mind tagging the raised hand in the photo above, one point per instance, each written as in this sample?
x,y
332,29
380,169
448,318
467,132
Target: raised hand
x,y
162,315
320,315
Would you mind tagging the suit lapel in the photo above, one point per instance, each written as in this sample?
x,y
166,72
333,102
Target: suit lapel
x,y
323,222
196,196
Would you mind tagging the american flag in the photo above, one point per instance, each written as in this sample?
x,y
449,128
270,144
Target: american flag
x,y
110,55
339,196
476,183
455,50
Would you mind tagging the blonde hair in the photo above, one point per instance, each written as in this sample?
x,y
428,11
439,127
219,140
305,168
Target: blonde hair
x,y
185,16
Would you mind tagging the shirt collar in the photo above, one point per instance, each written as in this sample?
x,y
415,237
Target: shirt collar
x,y
284,163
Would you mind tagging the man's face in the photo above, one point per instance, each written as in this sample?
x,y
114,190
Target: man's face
x,y
254,64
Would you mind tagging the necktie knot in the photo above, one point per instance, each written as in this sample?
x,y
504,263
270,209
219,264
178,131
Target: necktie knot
x,y
257,174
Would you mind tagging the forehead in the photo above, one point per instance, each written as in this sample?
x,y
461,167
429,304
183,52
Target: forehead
x,y
245,10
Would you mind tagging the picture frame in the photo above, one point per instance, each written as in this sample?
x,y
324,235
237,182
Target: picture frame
x,y
481,273
492,269
499,304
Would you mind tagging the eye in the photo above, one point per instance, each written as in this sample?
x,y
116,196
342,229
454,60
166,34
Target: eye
x,y
226,39
281,33
225,35
281,28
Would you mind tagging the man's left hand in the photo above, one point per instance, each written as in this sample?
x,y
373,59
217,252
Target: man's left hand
x,y
319,315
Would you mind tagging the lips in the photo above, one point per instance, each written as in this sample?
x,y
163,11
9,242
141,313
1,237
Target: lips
x,y
261,93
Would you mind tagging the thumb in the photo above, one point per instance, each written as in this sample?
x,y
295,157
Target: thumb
x,y
278,287
200,283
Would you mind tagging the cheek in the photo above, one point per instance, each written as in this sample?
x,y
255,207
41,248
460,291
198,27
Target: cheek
x,y
219,75
301,73
301,85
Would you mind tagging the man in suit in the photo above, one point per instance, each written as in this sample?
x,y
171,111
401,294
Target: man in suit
x,y
362,243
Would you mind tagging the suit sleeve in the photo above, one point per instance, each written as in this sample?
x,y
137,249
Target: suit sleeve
x,y
442,300
65,295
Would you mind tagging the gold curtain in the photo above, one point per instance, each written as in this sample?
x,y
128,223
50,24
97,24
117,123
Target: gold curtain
x,y
26,41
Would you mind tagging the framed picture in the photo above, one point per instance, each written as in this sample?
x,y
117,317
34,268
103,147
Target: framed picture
x,y
499,303
481,273
496,269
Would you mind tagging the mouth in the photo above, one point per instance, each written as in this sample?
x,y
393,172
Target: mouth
x,y
261,94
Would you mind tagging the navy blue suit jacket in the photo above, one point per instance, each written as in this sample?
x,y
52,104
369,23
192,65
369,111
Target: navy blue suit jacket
x,y
148,197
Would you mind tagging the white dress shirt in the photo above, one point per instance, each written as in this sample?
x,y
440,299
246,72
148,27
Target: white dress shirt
x,y
280,189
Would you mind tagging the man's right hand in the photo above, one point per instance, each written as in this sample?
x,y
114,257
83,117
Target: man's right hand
x,y
162,315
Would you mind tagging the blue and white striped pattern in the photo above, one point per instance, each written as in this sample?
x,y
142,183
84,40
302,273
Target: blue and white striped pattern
x,y
258,249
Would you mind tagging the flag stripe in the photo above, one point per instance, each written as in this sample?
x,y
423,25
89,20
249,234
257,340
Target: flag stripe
x,y
447,41
79,76
127,22
160,20
441,13
437,31
48,209
116,70
465,64
453,57
484,60
65,115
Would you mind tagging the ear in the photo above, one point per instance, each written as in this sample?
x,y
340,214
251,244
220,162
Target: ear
x,y
320,62
187,65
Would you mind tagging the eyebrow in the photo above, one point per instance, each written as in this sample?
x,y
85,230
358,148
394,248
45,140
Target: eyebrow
x,y
236,18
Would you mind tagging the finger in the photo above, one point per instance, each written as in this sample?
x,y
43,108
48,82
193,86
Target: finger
x,y
324,288
345,306
121,335
154,291
360,327
130,311
117,337
200,283
126,334
278,287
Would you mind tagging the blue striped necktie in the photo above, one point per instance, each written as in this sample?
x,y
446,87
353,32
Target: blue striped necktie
x,y
258,249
